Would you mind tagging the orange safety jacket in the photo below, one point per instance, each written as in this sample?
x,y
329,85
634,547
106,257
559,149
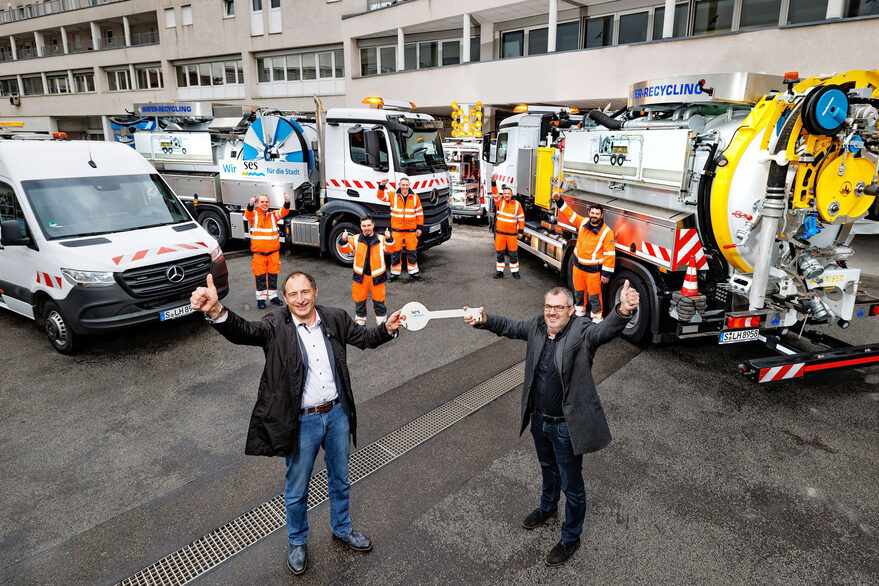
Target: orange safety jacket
x,y
595,249
264,228
376,251
406,212
510,218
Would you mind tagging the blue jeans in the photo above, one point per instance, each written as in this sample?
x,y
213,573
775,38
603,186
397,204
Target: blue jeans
x,y
329,430
562,471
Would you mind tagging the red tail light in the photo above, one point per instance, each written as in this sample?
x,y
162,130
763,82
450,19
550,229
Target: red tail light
x,y
747,321
874,310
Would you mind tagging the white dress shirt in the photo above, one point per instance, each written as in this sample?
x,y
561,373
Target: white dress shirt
x,y
320,386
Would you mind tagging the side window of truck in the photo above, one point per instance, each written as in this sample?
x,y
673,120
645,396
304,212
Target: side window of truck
x,y
357,148
501,152
9,208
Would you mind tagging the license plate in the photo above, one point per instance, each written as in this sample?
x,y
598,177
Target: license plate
x,y
435,228
735,336
175,313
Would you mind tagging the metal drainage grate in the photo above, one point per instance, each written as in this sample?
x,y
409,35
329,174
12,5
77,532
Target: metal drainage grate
x,y
205,553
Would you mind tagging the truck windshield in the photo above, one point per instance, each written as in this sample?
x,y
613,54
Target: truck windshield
x,y
422,152
87,206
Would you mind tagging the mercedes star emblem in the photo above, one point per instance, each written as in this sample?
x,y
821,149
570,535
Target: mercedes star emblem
x,y
175,274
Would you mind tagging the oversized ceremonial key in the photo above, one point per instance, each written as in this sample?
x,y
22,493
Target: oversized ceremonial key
x,y
415,316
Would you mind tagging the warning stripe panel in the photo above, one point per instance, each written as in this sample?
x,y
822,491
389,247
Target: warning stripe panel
x,y
142,254
782,372
687,244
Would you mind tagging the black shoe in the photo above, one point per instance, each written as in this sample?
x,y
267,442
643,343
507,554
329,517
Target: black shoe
x,y
277,302
538,517
261,304
297,559
499,275
416,277
393,278
561,553
356,541
516,276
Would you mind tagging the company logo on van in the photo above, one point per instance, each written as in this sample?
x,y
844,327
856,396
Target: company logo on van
x,y
668,89
175,273
166,109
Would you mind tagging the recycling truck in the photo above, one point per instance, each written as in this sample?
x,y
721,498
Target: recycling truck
x,y
329,162
751,183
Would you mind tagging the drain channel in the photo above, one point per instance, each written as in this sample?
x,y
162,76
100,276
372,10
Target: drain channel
x,y
209,551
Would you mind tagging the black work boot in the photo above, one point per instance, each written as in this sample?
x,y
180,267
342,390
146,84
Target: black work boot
x,y
561,553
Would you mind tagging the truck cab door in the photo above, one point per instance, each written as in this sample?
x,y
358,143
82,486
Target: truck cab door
x,y
18,263
367,162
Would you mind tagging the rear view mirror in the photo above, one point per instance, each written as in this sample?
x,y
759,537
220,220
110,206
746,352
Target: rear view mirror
x,y
372,146
10,234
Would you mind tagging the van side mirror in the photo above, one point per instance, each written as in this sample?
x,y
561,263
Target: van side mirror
x,y
10,234
371,145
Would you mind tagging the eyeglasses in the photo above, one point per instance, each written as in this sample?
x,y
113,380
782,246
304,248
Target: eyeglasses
x,y
556,308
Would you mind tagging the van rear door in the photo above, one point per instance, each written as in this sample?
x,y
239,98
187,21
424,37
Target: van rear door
x,y
18,264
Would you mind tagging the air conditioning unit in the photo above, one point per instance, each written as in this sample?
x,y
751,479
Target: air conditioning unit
x,y
15,100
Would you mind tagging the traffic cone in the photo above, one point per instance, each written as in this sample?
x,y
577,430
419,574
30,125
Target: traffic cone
x,y
690,288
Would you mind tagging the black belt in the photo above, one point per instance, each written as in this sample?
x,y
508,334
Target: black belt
x,y
596,268
507,233
551,419
406,230
264,253
320,408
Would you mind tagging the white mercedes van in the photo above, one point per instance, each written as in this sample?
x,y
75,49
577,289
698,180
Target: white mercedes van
x,y
92,240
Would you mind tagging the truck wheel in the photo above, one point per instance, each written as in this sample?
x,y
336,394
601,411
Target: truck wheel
x,y
58,329
595,159
613,160
335,240
639,326
214,225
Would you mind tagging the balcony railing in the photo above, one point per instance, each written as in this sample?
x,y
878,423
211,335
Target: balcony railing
x,y
376,4
50,50
26,53
80,47
45,8
148,38
114,43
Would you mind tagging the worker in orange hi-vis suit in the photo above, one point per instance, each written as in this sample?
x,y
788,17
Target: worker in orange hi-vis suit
x,y
370,272
407,221
594,258
509,226
264,244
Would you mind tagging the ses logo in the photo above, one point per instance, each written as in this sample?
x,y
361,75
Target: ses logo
x,y
165,109
669,89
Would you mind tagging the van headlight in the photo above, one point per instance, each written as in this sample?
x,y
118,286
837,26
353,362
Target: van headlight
x,y
79,278
216,253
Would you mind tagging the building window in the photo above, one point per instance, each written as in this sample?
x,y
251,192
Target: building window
x,y
475,49
304,66
567,36
538,41
57,84
9,87
862,8
427,55
309,71
806,11
33,85
169,18
117,80
149,77
276,3
512,44
633,28
410,56
84,81
713,16
211,73
369,61
680,25
451,52
759,13
599,32
228,8
387,59
257,5
186,15
339,63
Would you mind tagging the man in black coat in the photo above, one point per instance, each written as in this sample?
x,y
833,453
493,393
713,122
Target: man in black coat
x,y
305,399
560,401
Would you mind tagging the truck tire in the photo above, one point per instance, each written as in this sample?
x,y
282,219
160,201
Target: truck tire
x,y
595,159
57,327
336,238
639,326
215,225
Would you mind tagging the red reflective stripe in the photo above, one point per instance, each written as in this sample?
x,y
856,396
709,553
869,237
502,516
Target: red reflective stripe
x,y
187,246
334,182
369,184
139,255
841,363
358,185
117,259
164,250
38,278
58,279
202,244
345,181
48,280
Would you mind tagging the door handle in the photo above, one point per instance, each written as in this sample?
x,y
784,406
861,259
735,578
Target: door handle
x,y
353,193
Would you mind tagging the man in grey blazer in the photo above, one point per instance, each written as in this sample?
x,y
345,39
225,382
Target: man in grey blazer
x,y
560,401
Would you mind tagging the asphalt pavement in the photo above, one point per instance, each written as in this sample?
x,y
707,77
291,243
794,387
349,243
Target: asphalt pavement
x,y
113,458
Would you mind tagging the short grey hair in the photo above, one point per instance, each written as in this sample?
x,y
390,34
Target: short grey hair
x,y
561,291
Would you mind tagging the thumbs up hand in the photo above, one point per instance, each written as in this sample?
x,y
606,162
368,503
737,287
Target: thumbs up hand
x,y
629,299
205,299
345,236
387,234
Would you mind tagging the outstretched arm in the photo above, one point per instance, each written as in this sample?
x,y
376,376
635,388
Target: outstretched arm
x,y
502,326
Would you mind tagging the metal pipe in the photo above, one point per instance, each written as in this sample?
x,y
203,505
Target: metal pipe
x,y
319,126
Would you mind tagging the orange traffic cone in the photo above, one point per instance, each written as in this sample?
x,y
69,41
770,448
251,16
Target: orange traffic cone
x,y
690,288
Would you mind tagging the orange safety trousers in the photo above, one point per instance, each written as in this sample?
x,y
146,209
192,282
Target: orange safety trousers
x,y
360,292
407,241
590,284
265,269
505,243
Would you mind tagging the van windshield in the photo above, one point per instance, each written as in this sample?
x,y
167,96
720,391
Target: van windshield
x,y
87,206
422,152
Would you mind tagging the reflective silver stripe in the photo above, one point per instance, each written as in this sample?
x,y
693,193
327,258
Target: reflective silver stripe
x,y
264,237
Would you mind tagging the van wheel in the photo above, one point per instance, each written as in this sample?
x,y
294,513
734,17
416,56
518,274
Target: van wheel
x,y
639,326
214,225
58,329
335,240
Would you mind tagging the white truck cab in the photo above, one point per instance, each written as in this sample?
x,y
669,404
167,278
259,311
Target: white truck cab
x,y
94,240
